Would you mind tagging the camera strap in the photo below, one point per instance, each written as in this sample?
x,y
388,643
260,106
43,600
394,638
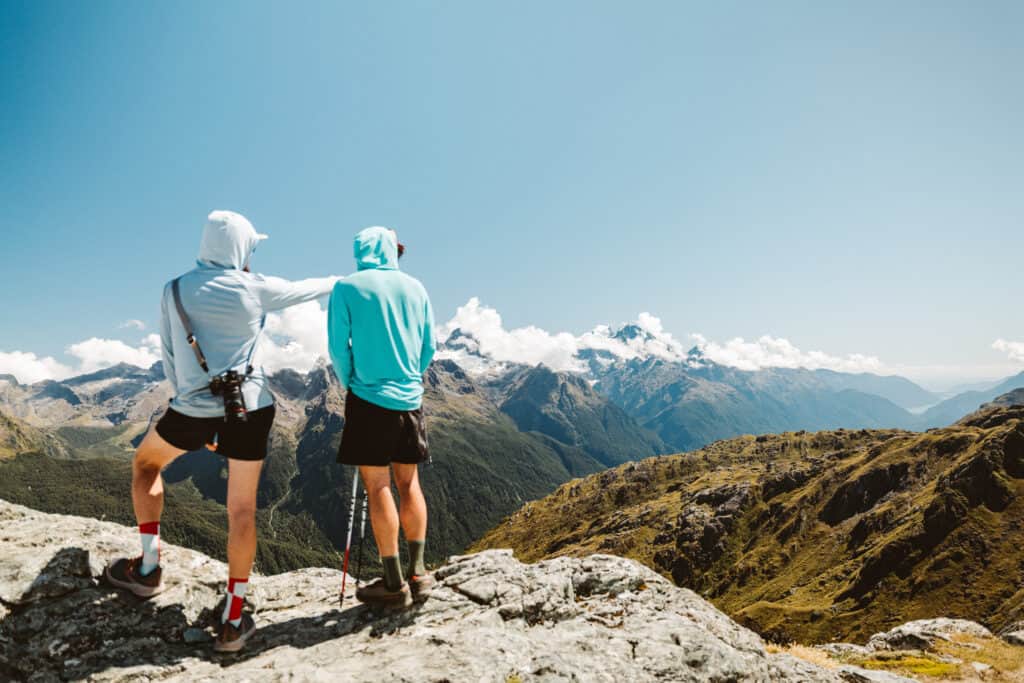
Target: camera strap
x,y
190,334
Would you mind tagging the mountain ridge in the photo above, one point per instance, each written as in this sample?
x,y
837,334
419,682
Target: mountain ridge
x,y
566,408
812,536
498,443
955,407
484,467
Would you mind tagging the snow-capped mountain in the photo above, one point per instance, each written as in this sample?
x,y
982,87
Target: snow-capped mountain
x,y
686,397
465,350
590,354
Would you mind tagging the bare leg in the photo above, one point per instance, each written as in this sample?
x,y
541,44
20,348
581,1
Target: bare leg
x,y
243,482
413,507
151,457
383,515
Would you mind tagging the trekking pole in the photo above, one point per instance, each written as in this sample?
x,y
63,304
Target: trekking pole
x,y
348,537
362,536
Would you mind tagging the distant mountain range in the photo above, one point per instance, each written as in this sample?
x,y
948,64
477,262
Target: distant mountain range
x,y
952,409
493,452
502,434
690,401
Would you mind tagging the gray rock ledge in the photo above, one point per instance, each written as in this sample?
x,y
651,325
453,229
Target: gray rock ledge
x,y
491,618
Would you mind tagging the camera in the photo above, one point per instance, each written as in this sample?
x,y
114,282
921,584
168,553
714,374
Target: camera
x,y
229,386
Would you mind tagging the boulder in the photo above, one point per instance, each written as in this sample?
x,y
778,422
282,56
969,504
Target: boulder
x,y
922,634
855,674
841,650
1014,637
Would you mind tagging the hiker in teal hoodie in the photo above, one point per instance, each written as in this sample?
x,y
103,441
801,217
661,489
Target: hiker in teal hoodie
x,y
381,338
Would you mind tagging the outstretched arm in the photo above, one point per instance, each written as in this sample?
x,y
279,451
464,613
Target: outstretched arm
x,y
429,345
166,344
339,332
276,293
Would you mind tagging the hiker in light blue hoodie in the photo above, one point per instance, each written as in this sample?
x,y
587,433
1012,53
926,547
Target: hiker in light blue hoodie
x,y
211,321
381,338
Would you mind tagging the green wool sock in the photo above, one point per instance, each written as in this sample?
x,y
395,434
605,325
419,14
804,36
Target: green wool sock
x,y
416,566
392,572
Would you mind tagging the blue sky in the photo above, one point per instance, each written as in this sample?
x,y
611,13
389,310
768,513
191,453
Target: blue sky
x,y
846,176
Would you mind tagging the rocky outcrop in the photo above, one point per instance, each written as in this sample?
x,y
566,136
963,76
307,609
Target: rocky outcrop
x,y
598,618
939,649
700,530
1013,633
923,634
860,494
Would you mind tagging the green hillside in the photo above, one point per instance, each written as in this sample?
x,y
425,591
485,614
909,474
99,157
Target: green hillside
x,y
484,468
567,409
100,488
813,537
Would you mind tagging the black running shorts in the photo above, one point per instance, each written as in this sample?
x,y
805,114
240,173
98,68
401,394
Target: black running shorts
x,y
235,440
376,436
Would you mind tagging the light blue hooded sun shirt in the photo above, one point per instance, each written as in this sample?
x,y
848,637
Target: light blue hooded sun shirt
x,y
227,308
381,326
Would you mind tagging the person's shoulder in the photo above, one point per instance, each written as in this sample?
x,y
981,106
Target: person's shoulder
x,y
414,283
347,285
179,279
347,282
257,281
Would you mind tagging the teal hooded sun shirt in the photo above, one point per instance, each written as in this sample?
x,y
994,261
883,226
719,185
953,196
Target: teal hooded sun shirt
x,y
380,326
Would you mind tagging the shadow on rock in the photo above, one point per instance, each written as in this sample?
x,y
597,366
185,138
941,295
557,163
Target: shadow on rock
x,y
70,624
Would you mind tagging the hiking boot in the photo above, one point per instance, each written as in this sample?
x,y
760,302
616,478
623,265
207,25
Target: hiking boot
x,y
422,585
377,594
124,573
232,638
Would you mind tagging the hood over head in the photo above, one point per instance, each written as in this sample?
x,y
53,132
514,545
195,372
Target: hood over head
x,y
228,240
376,247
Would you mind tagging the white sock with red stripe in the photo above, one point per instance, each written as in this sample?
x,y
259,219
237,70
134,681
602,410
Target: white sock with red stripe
x,y
150,534
236,598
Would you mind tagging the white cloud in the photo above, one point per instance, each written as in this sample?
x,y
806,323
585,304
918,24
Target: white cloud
x,y
486,346
295,338
95,353
90,355
774,352
29,368
489,345
530,345
1015,350
133,324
